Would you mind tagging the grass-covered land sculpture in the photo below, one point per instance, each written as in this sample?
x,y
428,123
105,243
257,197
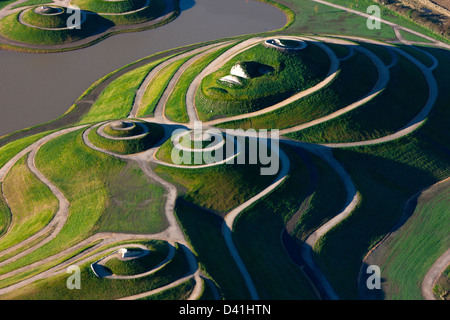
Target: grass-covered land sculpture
x,y
57,28
363,152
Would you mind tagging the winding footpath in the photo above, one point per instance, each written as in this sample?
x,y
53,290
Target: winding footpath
x,y
173,234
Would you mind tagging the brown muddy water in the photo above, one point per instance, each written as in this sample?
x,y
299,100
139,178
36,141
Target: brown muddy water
x,y
36,88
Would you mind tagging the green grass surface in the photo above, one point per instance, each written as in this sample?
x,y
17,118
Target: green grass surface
x,y
11,28
31,202
101,6
203,230
158,251
4,3
327,198
80,174
136,204
32,2
46,21
94,288
291,73
336,95
180,292
329,20
334,21
422,57
401,100
176,104
5,216
153,11
169,154
219,188
386,176
140,144
116,101
157,86
264,256
390,16
418,244
8,151
127,132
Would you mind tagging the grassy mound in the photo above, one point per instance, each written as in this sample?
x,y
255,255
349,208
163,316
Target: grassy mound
x,y
153,11
131,146
94,288
274,76
32,204
124,12
176,103
420,241
166,152
158,251
58,19
218,188
128,129
101,6
392,109
336,95
12,29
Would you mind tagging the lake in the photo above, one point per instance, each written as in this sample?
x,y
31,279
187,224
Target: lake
x,y
36,88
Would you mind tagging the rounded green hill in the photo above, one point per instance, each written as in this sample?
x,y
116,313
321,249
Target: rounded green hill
x,y
257,78
127,136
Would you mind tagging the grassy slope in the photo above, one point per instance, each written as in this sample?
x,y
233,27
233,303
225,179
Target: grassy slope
x,y
74,166
327,198
136,206
156,132
82,175
10,28
180,292
32,2
417,246
386,175
35,19
176,104
291,73
156,88
93,288
116,101
158,251
203,230
31,202
271,269
336,95
5,216
109,6
7,152
153,11
392,109
4,3
391,16
329,20
219,188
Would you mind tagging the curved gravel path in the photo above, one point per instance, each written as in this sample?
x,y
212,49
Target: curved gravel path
x,y
433,274
58,221
383,79
174,233
199,52
220,61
